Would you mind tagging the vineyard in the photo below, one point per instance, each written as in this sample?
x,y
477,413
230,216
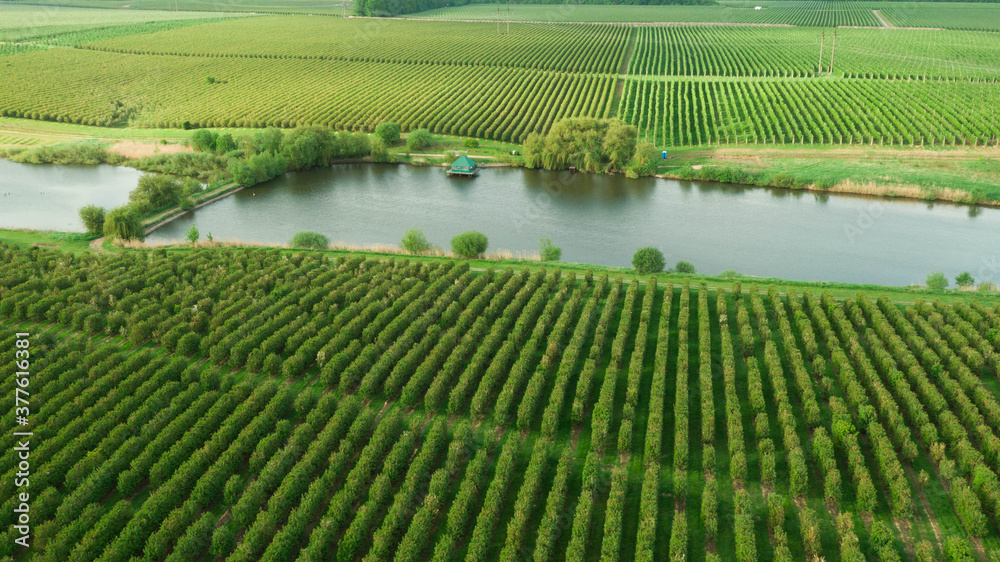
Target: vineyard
x,y
866,112
974,16
775,52
254,405
805,13
503,103
681,85
567,48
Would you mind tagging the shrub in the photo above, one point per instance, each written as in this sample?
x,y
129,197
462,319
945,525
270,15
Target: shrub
x,y
471,143
469,244
186,204
419,139
548,251
648,260
193,235
308,239
684,267
154,192
388,132
414,241
380,150
937,281
203,140
224,143
964,279
93,219
124,223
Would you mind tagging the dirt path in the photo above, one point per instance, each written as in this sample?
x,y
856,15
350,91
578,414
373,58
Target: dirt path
x,y
623,70
881,19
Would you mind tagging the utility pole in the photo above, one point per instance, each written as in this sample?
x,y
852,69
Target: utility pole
x,y
833,51
821,43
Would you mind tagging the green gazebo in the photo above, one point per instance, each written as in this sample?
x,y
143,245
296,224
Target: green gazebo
x,y
463,166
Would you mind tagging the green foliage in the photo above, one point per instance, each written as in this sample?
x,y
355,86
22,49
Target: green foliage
x,y
684,267
155,192
192,235
469,244
937,281
548,251
380,151
589,145
388,132
471,143
224,143
648,260
93,219
308,239
124,223
414,241
419,139
643,161
204,140
964,279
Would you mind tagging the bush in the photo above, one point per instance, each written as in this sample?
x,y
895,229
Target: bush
x,y
469,244
224,143
684,267
471,143
648,260
93,219
380,150
155,191
643,161
308,239
419,139
548,251
124,223
203,140
414,241
193,235
388,132
964,279
937,281
186,204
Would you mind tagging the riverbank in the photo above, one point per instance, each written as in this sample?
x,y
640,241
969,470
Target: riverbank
x,y
78,244
959,175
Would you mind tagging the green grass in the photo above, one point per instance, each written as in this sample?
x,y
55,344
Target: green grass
x,y
892,172
19,22
63,241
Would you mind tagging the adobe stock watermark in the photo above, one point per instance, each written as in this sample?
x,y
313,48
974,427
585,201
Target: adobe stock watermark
x,y
866,218
22,449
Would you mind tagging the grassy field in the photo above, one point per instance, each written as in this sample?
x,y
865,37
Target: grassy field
x,y
20,22
410,410
882,171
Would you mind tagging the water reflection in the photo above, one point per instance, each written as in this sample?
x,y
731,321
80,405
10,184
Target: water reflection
x,y
604,219
48,197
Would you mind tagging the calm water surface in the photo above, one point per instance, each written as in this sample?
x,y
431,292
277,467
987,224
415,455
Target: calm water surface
x,y
604,219
49,197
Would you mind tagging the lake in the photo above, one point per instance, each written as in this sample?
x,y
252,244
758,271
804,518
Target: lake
x,y
604,219
49,197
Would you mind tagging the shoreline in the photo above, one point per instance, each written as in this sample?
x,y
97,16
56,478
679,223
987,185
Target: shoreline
x,y
898,293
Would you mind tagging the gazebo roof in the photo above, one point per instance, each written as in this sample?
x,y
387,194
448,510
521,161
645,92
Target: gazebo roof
x,y
463,161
